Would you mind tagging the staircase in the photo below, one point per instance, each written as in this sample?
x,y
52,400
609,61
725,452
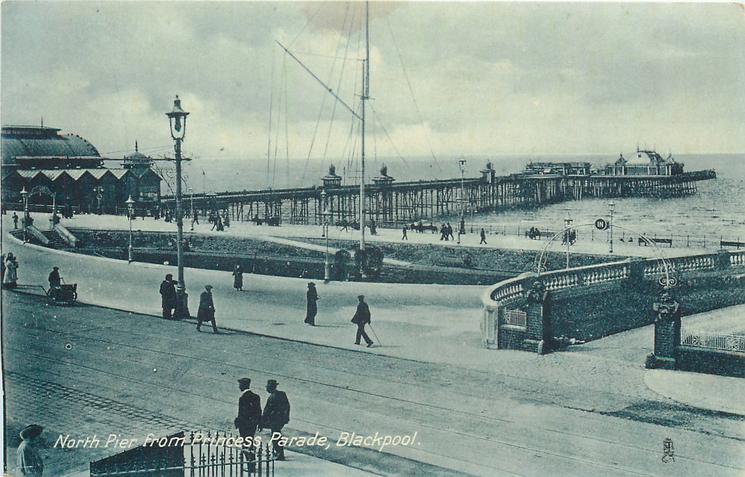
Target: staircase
x,y
55,241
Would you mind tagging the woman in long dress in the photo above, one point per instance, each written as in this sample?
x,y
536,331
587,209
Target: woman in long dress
x,y
312,308
10,280
238,278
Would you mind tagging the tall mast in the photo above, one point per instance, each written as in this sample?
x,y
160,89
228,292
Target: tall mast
x,y
365,95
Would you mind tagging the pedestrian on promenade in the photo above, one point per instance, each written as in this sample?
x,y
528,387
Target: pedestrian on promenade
x,y
443,232
55,281
483,237
15,221
311,307
450,231
168,296
361,318
249,417
2,267
276,415
10,279
30,462
238,278
404,234
206,310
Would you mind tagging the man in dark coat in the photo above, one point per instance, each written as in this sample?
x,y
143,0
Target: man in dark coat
x,y
312,308
168,296
206,310
276,415
483,237
15,221
249,416
54,279
361,318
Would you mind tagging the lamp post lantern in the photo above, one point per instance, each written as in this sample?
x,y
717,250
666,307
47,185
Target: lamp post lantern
x,y
24,222
130,213
611,207
326,215
99,196
567,235
177,120
461,227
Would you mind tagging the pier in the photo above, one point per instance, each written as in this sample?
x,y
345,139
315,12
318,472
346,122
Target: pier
x,y
393,204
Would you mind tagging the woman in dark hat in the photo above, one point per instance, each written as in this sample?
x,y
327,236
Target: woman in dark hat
x,y
238,278
312,308
29,459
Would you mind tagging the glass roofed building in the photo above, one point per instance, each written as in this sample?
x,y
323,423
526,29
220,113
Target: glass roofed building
x,y
68,169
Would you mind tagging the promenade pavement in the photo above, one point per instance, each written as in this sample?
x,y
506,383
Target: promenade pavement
x,y
431,323
248,229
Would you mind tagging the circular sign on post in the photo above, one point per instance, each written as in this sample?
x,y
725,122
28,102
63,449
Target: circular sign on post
x,y
668,282
601,224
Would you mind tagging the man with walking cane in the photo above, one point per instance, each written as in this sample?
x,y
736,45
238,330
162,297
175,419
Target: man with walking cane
x,y
361,318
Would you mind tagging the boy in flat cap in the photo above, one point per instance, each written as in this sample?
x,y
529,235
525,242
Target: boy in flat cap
x,y
206,310
276,415
29,459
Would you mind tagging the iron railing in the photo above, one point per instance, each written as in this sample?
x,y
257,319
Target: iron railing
x,y
200,455
734,343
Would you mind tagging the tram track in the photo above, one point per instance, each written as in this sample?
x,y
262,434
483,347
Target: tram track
x,y
81,335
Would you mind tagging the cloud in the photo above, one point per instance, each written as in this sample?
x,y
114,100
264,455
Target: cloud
x,y
459,78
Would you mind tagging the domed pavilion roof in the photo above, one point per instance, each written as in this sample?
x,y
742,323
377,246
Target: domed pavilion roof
x,y
42,141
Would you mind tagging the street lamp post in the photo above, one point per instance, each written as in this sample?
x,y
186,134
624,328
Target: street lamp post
x,y
130,213
326,213
177,121
567,233
462,165
191,207
99,195
24,195
611,207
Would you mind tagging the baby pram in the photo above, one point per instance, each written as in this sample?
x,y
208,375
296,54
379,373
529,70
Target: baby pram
x,y
64,294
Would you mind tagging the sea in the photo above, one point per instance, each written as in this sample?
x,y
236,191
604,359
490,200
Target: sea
x,y
717,210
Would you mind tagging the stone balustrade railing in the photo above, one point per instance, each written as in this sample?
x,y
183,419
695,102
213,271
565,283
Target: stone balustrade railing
x,y
508,291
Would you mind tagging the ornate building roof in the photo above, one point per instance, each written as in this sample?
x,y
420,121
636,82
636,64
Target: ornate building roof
x,y
42,141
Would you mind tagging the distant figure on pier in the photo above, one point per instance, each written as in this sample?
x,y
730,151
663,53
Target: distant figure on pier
x,y
444,233
373,228
238,278
344,225
168,296
15,221
206,310
311,307
220,226
404,235
226,219
483,237
361,318
462,230
450,231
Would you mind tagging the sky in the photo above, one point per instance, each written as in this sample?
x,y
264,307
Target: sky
x,y
446,79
